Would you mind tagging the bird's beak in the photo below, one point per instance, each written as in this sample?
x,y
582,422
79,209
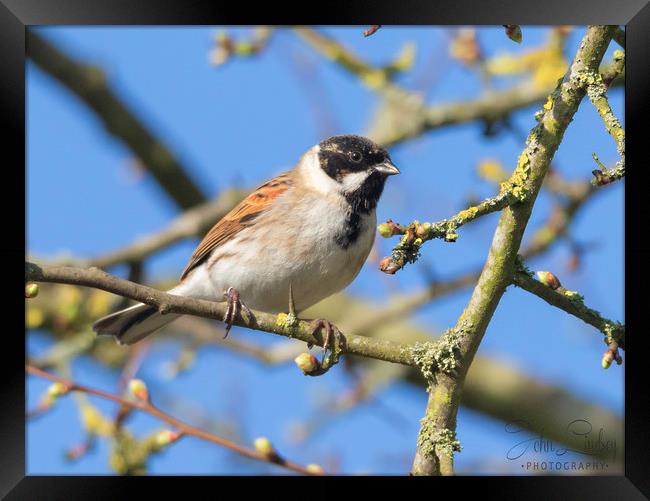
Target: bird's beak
x,y
387,168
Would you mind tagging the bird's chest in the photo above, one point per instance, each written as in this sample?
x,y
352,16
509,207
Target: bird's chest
x,y
331,240
318,250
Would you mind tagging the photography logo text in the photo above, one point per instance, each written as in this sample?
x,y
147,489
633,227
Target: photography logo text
x,y
591,450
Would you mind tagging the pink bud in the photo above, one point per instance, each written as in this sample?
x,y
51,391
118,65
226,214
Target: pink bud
x,y
388,266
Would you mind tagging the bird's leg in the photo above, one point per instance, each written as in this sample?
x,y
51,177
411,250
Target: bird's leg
x,y
292,304
234,308
331,331
292,317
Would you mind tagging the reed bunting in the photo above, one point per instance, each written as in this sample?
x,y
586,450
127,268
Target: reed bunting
x,y
308,231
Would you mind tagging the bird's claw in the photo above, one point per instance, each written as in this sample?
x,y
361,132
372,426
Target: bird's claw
x,y
233,309
333,341
331,331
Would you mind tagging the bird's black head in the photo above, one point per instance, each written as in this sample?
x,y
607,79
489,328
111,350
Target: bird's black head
x,y
341,155
359,165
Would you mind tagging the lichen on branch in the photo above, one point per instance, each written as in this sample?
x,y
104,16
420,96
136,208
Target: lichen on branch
x,y
597,92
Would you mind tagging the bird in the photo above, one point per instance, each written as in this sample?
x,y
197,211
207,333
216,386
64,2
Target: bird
x,y
302,235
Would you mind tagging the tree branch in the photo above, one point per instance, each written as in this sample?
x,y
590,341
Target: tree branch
x,y
597,92
89,84
167,303
572,304
436,441
544,410
149,408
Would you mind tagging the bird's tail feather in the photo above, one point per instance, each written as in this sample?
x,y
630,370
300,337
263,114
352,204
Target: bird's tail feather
x,y
132,324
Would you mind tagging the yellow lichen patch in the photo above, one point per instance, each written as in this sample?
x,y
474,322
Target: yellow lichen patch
x,y
286,320
549,103
467,214
281,319
523,166
520,175
516,184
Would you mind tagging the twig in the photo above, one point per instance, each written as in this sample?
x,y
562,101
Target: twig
x,y
89,84
149,408
415,234
372,30
377,79
226,46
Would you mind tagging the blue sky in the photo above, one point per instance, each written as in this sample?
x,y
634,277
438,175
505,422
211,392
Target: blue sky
x,y
238,125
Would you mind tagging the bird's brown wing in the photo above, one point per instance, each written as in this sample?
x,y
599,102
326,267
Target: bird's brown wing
x,y
239,218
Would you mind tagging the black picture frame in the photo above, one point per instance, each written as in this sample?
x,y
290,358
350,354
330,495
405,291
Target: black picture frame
x,y
17,15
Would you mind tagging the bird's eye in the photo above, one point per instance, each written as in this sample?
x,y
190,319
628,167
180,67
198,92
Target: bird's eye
x,y
355,156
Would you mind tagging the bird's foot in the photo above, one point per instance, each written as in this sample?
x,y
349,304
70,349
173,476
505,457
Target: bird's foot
x,y
234,308
333,341
331,331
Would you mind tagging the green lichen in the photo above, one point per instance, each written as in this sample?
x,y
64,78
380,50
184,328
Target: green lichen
x,y
434,357
520,267
423,356
434,442
613,331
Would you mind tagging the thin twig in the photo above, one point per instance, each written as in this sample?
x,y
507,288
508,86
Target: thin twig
x,y
572,304
149,408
